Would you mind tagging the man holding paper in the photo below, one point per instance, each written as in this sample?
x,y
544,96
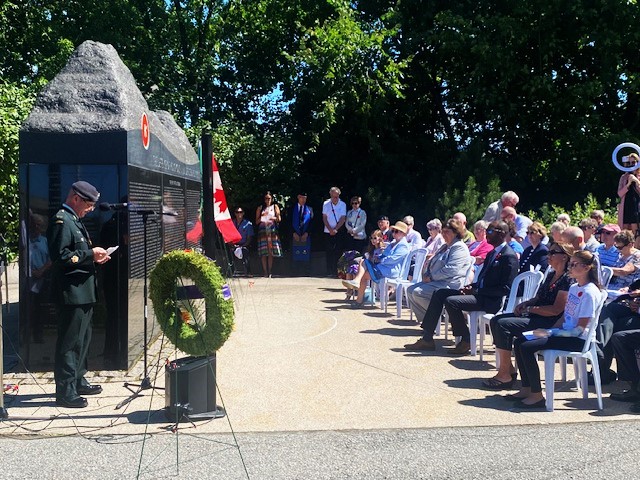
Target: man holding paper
x,y
73,260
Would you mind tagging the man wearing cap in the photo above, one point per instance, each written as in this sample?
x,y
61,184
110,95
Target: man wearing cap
x,y
334,214
301,217
383,226
387,265
607,252
499,269
75,292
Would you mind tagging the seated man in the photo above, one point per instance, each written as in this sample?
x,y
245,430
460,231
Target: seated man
x,y
588,227
607,252
448,268
626,346
245,228
468,237
521,222
387,265
494,282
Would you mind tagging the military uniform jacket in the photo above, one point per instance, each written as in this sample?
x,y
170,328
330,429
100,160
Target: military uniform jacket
x,y
74,272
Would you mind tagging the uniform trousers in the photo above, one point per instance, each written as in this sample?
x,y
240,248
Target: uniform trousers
x,y
72,347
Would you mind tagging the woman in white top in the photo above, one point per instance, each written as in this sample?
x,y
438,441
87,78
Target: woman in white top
x,y
267,219
355,225
568,333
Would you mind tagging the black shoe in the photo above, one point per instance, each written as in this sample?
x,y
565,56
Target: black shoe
x,y
626,396
77,402
89,390
605,378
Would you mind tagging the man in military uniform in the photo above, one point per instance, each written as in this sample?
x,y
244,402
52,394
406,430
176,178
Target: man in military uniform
x,y
74,281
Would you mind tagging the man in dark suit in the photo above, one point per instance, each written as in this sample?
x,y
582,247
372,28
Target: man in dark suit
x,y
301,216
494,282
74,283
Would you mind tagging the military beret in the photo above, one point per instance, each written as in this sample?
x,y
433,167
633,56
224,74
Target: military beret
x,y
86,191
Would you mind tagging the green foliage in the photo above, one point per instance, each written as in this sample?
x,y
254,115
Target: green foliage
x,y
471,200
15,104
547,214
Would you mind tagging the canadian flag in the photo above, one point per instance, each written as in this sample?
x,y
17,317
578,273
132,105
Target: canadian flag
x,y
221,213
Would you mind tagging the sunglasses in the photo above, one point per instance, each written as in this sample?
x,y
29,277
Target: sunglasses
x,y
491,230
575,264
607,233
393,230
620,247
531,232
355,203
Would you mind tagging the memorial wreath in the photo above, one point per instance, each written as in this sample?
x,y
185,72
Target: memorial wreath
x,y
197,335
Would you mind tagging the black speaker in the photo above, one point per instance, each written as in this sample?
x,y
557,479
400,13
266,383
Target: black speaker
x,y
190,388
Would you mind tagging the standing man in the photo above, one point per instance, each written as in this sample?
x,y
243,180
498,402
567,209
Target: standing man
x,y
334,213
75,291
508,199
301,217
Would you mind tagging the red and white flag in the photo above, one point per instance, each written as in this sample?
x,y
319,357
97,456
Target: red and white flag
x,y
221,213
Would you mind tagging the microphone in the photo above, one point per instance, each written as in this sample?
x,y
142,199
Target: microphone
x,y
105,207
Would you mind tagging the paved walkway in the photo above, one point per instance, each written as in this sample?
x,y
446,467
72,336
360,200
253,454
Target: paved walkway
x,y
300,360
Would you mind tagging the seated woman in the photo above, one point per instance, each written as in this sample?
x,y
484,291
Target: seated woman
x,y
480,247
569,332
537,253
541,311
628,265
447,269
387,265
349,262
435,240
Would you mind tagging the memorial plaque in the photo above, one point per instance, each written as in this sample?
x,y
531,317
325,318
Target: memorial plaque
x,y
92,123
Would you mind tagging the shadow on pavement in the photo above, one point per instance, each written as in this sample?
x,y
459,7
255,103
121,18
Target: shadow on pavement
x,y
394,332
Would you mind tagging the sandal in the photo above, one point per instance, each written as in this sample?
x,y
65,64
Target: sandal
x,y
495,384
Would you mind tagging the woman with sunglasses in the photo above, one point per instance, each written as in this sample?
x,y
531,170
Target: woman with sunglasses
x,y
628,266
535,256
542,311
568,333
355,224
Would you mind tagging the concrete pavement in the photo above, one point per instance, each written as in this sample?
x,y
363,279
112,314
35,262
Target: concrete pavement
x,y
301,360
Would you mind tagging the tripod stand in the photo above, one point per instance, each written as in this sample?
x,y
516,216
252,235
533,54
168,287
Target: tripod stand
x,y
145,384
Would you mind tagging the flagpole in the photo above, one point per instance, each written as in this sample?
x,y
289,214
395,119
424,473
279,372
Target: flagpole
x,y
208,223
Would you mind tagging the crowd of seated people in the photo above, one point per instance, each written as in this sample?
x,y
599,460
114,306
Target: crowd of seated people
x,y
571,256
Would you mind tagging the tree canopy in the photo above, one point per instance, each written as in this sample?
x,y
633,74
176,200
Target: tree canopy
x,y
419,107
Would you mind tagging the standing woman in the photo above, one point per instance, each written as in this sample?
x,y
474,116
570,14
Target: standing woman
x,y
569,332
267,219
355,224
629,193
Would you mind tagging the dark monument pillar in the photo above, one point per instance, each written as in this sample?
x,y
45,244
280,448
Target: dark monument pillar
x,y
92,123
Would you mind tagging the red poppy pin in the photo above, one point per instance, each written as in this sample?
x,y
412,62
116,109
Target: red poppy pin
x,y
580,294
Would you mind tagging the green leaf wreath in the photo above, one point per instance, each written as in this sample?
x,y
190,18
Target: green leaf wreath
x,y
195,333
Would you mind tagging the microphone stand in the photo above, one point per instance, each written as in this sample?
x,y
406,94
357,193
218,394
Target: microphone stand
x,y
145,384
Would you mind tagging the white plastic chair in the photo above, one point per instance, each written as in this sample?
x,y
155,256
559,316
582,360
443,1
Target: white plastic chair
x,y
444,316
580,359
419,256
385,282
531,281
605,276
